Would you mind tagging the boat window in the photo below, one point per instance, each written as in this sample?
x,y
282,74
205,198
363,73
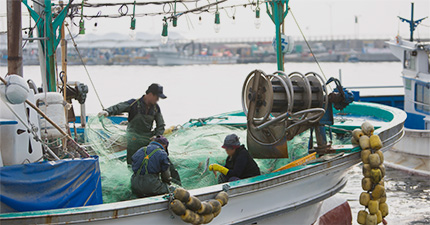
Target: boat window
x,y
410,60
422,97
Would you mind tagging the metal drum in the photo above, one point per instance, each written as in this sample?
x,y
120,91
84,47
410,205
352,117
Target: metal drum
x,y
279,107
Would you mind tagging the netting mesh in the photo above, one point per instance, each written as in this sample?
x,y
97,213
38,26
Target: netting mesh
x,y
189,150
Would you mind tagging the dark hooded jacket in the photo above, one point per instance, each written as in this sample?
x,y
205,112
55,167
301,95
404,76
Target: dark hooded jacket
x,y
241,164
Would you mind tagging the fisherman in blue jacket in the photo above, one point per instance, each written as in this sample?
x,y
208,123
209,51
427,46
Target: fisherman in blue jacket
x,y
239,163
142,113
148,163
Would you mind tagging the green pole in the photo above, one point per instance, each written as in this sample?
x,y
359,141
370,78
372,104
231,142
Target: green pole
x,y
279,9
50,60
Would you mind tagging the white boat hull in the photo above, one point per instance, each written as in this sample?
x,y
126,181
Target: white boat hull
x,y
412,153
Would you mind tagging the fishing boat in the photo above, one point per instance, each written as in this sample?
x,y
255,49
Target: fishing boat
x,y
277,108
412,153
192,54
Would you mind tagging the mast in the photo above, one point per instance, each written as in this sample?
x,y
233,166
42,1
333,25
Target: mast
x,y
14,38
278,14
412,24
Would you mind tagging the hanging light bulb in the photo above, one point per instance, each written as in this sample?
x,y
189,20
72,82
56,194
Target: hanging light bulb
x,y
132,33
164,33
175,21
217,24
234,20
81,26
257,21
95,28
200,20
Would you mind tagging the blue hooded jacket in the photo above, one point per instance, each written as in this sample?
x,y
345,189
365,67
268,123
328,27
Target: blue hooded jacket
x,y
156,164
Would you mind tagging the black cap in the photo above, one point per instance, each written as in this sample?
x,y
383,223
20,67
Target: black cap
x,y
231,141
156,89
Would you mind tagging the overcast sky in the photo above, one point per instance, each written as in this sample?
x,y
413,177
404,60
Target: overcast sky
x,y
317,18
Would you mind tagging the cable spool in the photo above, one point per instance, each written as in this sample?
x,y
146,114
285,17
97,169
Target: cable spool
x,y
275,106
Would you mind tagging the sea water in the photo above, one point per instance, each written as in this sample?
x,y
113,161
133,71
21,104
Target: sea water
x,y
199,91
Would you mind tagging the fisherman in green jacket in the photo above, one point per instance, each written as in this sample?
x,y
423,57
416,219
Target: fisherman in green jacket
x,y
142,113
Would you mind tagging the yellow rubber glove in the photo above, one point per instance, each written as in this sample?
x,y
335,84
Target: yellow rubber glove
x,y
217,167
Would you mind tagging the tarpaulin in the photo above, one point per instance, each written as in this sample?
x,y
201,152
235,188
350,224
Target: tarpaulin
x,y
50,185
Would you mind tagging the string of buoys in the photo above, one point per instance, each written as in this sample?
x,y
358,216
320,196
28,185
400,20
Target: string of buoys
x,y
192,210
374,198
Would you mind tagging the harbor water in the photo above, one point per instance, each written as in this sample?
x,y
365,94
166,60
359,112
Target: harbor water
x,y
206,90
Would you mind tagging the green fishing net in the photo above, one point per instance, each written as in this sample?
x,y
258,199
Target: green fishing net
x,y
189,149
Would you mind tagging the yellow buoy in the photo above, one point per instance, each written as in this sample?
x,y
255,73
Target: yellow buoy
x,y
189,216
375,142
383,199
205,209
216,213
181,194
371,219
379,216
375,175
207,218
193,204
364,142
373,207
353,141
381,156
366,170
382,180
384,209
357,133
178,207
367,128
364,198
222,197
378,192
199,219
366,184
365,156
374,160
382,169
216,205
361,218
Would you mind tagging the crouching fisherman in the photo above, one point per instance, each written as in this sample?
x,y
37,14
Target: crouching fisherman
x,y
239,163
148,163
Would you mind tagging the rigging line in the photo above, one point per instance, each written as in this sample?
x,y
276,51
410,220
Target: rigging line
x,y
307,43
83,63
98,5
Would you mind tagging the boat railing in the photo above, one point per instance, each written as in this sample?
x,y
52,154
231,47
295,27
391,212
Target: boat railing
x,y
374,87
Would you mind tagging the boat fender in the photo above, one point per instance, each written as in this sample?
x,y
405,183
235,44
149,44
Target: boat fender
x,y
207,218
367,128
189,216
366,184
366,170
193,204
361,218
375,175
353,141
375,142
181,194
222,197
15,91
384,209
364,142
206,208
374,160
365,156
379,216
216,206
364,198
381,156
357,133
178,207
371,219
377,192
373,207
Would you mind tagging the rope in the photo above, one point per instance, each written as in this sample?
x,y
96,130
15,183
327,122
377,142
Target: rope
x,y
86,70
307,43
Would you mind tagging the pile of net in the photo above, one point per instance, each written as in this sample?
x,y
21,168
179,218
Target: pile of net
x,y
189,149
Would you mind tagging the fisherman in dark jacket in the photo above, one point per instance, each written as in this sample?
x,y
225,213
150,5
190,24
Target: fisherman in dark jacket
x,y
148,163
239,163
141,116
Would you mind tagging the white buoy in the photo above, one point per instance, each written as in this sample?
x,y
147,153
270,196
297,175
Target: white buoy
x,y
51,104
15,91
